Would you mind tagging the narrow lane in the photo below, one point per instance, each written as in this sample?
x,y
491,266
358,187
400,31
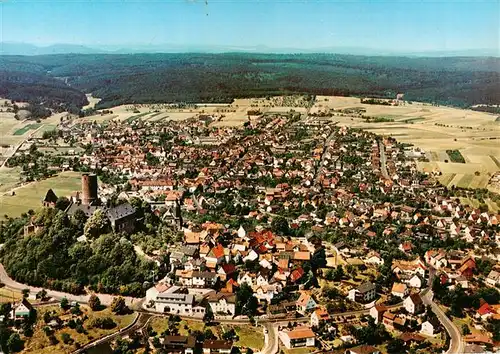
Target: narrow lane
x,y
383,159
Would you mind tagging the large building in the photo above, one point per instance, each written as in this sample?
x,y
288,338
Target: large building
x,y
165,299
121,217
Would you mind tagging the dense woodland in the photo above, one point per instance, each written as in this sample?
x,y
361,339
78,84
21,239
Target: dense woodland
x,y
54,259
59,81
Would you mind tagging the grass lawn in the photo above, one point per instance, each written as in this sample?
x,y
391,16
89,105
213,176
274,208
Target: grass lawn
x,y
160,324
30,196
40,343
298,350
251,337
459,322
24,129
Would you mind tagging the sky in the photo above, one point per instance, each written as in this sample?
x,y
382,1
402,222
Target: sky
x,y
397,25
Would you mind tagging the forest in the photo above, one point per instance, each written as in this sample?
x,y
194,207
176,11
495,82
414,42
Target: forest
x,y
53,258
60,81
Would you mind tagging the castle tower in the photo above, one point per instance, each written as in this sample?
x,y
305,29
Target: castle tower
x,y
89,189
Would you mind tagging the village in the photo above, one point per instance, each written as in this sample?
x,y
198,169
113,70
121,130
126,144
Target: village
x,y
328,237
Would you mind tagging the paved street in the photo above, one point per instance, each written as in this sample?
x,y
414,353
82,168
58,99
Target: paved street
x,y
271,339
383,160
456,344
106,299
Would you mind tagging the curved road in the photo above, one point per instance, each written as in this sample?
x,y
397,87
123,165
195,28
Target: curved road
x,y
139,323
456,344
106,299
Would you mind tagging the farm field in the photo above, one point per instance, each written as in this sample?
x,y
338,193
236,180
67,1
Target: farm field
x,y
27,128
435,129
30,195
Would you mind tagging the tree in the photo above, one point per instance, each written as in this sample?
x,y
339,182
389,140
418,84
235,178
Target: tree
x,y
62,203
79,218
76,310
209,315
118,305
396,346
339,273
96,225
94,302
279,225
15,344
5,309
66,338
465,329
42,294
246,303
64,303
26,293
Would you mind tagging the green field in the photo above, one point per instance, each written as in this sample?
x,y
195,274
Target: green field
x,y
137,116
465,181
9,177
24,129
30,196
447,178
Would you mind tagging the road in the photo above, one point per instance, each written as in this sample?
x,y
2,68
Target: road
x,y
383,160
319,169
106,299
18,146
140,322
456,344
271,339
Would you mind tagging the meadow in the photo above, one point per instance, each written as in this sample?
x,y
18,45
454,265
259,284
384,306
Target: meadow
x,y
30,196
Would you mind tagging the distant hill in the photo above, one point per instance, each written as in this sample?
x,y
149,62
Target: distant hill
x,y
61,80
7,48
11,48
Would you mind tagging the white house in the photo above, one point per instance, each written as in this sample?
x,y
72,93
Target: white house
x,y
21,309
399,290
364,293
246,278
374,258
298,337
204,279
318,315
429,328
266,292
413,304
415,281
305,303
166,300
493,278
222,303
